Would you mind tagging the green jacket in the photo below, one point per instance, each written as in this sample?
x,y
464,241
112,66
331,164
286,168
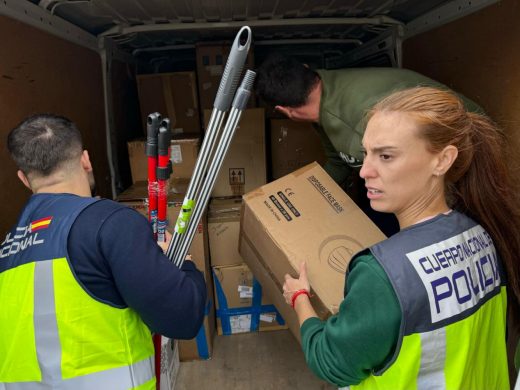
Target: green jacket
x,y
347,96
363,334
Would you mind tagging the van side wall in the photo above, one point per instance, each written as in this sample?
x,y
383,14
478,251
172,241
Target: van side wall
x,y
478,56
42,73
126,116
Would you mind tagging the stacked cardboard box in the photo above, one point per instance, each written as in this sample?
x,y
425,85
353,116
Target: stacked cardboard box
x,y
184,151
136,198
174,95
241,306
293,145
223,231
244,167
211,61
304,216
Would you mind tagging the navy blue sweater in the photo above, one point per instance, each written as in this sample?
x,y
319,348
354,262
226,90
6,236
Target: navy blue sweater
x,y
115,258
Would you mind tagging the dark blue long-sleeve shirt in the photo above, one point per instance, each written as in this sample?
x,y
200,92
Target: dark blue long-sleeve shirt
x,y
115,258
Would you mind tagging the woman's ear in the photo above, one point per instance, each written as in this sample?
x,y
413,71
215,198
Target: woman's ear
x,y
446,159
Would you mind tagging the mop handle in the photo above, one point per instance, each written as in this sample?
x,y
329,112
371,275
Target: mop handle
x,y
225,93
238,106
152,130
164,170
233,70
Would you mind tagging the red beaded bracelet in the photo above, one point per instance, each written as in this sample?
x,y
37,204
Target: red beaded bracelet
x,y
297,294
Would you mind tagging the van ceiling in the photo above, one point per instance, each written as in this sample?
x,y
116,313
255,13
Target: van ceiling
x,y
144,24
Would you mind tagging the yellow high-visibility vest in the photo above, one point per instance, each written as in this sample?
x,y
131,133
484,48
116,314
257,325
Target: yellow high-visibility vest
x,y
52,332
451,288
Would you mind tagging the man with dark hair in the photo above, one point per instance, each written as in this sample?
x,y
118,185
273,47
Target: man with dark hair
x,y
82,281
336,102
46,146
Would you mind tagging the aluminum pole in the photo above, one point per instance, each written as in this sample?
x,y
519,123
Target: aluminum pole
x,y
226,91
238,106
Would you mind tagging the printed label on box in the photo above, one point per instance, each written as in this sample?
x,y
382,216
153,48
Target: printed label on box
x,y
245,291
268,317
246,295
237,176
242,288
240,323
169,363
176,154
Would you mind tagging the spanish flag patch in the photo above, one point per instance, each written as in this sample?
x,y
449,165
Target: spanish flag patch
x,y
41,224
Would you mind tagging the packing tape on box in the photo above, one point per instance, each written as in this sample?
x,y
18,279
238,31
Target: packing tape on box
x,y
201,339
225,313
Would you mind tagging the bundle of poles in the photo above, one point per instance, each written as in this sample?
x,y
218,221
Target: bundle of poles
x,y
158,151
159,170
215,145
211,156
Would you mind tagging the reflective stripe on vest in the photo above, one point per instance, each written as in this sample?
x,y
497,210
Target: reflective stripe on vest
x,y
48,348
433,358
452,293
120,378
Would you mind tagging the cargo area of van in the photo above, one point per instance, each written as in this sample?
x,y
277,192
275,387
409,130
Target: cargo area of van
x,y
108,64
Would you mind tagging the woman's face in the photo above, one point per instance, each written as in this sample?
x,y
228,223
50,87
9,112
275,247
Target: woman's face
x,y
399,171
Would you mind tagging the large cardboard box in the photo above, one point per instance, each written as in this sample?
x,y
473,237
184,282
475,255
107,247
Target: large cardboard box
x,y
135,197
223,231
304,216
241,305
184,152
293,145
211,61
173,95
244,167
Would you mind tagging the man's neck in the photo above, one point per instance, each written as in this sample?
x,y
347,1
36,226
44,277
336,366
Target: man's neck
x,y
71,185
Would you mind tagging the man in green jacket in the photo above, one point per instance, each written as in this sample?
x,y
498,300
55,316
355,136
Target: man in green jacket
x,y
336,102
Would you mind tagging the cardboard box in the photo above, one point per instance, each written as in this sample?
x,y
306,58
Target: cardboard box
x,y
184,152
211,61
223,231
135,197
293,145
173,95
304,216
170,363
244,167
201,347
241,306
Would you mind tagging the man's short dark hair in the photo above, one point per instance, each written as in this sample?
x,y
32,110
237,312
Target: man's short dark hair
x,y
285,81
44,142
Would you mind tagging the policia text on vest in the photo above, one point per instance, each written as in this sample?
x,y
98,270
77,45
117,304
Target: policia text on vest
x,y
451,290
